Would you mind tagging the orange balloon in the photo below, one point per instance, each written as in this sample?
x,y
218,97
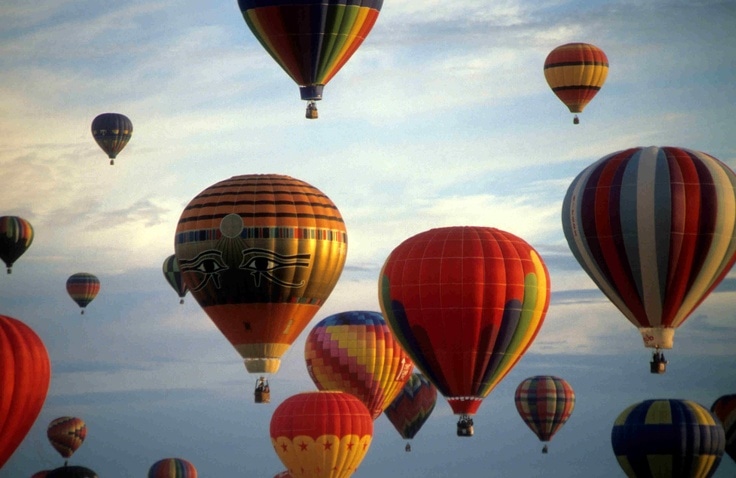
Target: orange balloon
x,y
25,373
66,434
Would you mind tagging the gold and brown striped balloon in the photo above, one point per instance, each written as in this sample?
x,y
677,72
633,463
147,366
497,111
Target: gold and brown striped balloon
x,y
261,254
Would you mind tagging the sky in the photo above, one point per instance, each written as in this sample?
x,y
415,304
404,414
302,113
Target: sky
x,y
442,118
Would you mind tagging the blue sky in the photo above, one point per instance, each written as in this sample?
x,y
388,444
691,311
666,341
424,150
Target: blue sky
x,y
443,117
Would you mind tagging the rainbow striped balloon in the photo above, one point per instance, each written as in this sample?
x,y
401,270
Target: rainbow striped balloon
x,y
310,39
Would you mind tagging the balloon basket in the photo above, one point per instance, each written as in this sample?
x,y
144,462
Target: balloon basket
x,y
262,393
312,112
658,364
465,427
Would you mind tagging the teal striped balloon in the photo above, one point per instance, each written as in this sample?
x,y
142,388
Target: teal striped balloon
x,y
668,438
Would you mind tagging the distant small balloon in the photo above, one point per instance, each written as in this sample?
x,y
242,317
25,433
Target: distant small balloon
x,y
576,72
83,288
112,131
172,468
172,274
66,435
16,236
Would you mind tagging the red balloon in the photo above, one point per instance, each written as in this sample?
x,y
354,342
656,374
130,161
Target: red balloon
x,y
41,474
321,434
25,373
465,303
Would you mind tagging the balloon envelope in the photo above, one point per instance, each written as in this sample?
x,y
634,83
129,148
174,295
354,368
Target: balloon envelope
x,y
16,236
655,228
261,254
25,374
576,72
412,406
112,131
725,409
355,352
173,277
66,434
545,403
465,303
310,39
172,468
72,472
82,287
321,434
667,438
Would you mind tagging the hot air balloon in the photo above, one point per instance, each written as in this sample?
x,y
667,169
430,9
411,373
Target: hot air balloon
x,y
173,277
66,435
655,228
41,474
25,373
16,236
310,39
355,352
412,407
82,288
668,438
72,472
465,303
261,254
172,468
112,131
575,72
283,474
545,403
725,409
321,434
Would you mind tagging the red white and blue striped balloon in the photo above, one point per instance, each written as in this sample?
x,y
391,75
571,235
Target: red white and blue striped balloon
x,y
655,228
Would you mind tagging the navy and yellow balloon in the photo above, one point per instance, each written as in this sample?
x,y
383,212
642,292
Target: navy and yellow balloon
x,y
83,287
112,131
16,236
310,39
173,277
545,403
668,438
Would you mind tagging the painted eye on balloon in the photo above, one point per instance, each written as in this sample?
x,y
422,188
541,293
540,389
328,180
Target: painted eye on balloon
x,y
262,263
206,266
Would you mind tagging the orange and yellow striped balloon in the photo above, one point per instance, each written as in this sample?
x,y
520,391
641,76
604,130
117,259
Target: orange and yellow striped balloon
x,y
261,254
356,352
576,72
